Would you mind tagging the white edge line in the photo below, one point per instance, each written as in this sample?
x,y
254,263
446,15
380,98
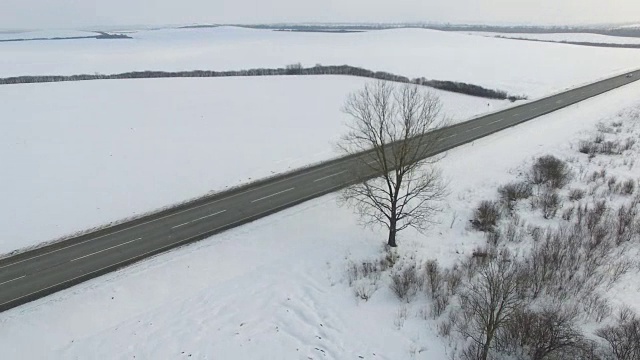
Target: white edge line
x,y
8,281
200,218
274,194
166,246
109,248
328,176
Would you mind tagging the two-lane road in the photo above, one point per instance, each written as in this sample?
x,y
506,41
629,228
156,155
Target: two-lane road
x,y
34,274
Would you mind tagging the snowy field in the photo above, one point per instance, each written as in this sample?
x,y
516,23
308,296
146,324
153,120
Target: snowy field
x,y
95,152
276,288
577,37
532,69
44,34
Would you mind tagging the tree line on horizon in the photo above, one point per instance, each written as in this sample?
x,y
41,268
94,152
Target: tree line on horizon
x,y
292,69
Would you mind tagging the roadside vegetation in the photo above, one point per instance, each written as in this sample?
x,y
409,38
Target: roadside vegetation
x,y
559,239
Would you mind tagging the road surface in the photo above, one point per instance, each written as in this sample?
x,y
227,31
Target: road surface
x,y
37,273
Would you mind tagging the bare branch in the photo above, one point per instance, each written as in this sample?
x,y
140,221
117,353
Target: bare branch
x,y
390,123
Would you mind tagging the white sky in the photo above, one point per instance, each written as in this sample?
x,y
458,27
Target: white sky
x,y
17,14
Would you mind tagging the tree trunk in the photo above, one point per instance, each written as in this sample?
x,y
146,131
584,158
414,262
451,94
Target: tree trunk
x,y
486,347
392,233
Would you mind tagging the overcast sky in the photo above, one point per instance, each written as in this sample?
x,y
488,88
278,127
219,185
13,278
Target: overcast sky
x,y
82,13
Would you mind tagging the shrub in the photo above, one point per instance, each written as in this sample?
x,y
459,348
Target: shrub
x,y
628,144
512,192
405,283
486,216
611,183
576,194
623,339
549,204
488,303
453,278
439,305
433,278
540,335
587,147
625,222
628,187
365,290
371,269
550,171
493,237
610,148
595,215
568,213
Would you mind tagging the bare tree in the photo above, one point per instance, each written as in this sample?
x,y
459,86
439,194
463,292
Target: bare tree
x,y
388,124
488,304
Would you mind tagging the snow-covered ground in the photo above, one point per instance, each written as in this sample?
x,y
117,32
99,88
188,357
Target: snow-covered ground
x,y
576,37
44,34
82,154
276,288
529,68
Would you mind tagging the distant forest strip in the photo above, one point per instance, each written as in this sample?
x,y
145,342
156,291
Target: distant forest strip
x,y
581,43
295,69
100,36
530,29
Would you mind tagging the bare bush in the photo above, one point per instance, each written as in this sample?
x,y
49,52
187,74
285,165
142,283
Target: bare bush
x,y
588,147
401,316
625,223
371,269
551,171
453,278
617,268
439,304
513,232
365,290
599,146
444,328
611,183
567,214
549,204
610,148
596,307
486,216
625,314
433,278
489,303
623,339
512,192
628,187
405,283
576,194
565,263
539,335
628,144
493,237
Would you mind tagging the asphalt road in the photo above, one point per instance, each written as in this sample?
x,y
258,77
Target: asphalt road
x,y
34,274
